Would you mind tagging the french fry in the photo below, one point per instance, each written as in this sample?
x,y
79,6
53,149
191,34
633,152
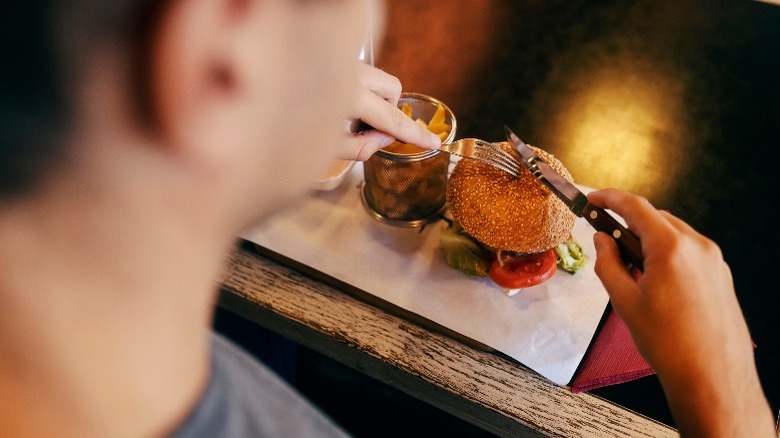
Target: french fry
x,y
407,109
439,128
437,125
438,116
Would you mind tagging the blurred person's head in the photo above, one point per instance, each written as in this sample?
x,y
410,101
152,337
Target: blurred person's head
x,y
241,100
136,138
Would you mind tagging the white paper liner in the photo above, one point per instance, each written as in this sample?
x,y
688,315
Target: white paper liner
x,y
547,328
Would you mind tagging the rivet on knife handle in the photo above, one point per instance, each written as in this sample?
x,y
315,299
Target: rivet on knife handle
x,y
627,242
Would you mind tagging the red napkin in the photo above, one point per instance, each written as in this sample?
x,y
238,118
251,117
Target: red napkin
x,y
612,359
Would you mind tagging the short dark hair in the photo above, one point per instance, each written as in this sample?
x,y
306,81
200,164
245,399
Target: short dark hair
x,y
44,46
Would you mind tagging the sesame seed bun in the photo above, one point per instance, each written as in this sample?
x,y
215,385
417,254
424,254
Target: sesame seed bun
x,y
508,213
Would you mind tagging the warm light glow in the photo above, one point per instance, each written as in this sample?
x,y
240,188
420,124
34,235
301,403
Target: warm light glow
x,y
627,114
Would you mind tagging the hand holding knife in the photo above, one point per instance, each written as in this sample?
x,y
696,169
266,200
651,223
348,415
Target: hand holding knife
x,y
627,242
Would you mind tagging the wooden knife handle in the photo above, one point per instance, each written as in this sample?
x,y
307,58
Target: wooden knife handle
x,y
627,242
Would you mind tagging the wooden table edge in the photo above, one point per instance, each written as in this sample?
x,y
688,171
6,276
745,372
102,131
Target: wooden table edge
x,y
483,388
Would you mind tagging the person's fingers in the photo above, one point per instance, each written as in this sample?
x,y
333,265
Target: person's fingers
x,y
706,246
611,270
384,85
678,223
383,116
642,218
361,146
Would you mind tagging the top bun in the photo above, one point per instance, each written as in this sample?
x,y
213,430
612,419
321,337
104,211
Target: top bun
x,y
507,213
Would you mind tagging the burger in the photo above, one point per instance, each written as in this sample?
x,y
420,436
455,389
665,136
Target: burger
x,y
513,230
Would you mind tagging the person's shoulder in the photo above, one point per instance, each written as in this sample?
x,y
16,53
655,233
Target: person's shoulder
x,y
244,398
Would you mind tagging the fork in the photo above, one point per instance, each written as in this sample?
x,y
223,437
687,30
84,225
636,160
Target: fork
x,y
484,152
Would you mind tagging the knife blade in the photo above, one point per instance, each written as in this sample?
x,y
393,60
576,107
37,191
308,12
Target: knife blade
x,y
627,242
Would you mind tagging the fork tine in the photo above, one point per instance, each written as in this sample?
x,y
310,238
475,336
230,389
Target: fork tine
x,y
506,160
492,160
499,155
510,170
484,152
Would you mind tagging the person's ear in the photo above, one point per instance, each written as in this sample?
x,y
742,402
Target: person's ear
x,y
195,72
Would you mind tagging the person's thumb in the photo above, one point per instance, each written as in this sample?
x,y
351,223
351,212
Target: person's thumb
x,y
361,146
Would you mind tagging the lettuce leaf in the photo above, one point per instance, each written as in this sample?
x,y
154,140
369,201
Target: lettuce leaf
x,y
462,252
570,256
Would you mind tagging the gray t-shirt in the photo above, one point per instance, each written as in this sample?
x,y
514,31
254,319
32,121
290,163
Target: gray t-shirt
x,y
246,399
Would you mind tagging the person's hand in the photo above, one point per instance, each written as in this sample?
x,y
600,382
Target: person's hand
x,y
377,107
684,317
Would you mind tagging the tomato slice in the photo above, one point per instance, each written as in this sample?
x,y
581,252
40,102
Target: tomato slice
x,y
518,272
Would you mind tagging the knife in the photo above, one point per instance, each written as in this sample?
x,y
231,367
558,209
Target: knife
x,y
627,242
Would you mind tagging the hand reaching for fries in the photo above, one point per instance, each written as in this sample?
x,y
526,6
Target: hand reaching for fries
x,y
376,107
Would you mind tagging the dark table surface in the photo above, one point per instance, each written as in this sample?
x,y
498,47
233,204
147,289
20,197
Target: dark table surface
x,y
678,101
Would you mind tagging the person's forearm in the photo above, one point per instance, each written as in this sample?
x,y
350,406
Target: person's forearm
x,y
726,405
